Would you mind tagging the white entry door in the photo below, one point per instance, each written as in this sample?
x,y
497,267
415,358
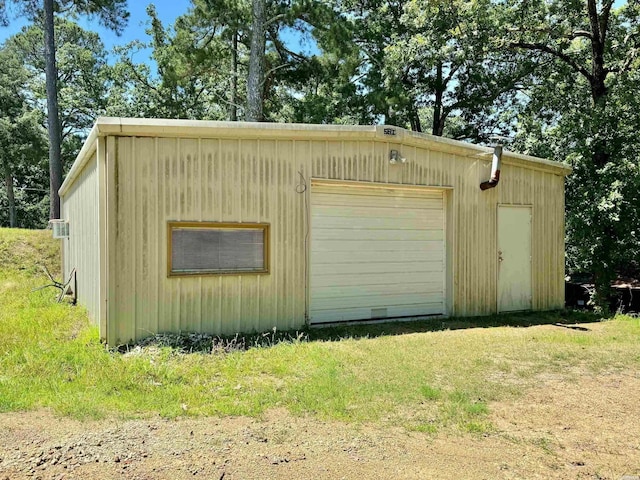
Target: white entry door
x,y
376,253
514,258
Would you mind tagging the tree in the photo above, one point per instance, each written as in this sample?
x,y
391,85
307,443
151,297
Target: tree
x,y
195,72
373,25
419,59
204,62
113,15
271,60
81,86
255,82
592,57
321,91
12,79
22,153
80,77
437,59
577,34
229,18
21,141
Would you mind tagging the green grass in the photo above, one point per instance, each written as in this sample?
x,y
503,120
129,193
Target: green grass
x,y
428,376
25,250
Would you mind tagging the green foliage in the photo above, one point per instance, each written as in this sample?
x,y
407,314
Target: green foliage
x,y
22,146
373,24
31,200
448,59
81,96
582,109
81,62
197,76
112,14
190,80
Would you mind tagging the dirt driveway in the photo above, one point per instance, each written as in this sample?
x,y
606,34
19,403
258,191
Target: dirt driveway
x,y
589,429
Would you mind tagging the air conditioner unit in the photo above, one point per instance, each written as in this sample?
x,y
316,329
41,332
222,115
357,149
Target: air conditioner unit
x,y
60,228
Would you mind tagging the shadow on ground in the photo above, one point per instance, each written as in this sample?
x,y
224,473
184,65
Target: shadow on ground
x,y
562,318
206,343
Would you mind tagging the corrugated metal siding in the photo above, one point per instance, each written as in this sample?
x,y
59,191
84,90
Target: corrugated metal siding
x,y
545,192
232,180
163,179
473,216
82,250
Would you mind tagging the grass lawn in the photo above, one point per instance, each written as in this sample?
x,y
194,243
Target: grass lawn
x,y
428,376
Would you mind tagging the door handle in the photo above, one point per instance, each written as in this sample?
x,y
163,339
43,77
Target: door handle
x,y
500,259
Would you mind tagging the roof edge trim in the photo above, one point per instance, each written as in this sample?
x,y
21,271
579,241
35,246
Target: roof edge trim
x,y
121,126
203,128
81,160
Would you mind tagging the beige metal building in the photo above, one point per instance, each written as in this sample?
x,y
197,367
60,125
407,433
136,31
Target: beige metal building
x,y
223,227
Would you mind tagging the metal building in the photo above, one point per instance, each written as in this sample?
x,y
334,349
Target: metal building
x,y
222,227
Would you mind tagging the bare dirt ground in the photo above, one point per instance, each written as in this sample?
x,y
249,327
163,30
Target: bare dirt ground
x,y
588,429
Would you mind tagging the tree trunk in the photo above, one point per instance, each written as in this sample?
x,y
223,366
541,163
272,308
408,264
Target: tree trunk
x,y
603,270
255,82
599,97
599,29
437,127
233,108
53,121
8,178
439,132
416,125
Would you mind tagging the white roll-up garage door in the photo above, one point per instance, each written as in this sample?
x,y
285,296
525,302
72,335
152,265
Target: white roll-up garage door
x,y
376,253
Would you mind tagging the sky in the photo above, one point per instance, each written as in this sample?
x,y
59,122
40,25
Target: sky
x,y
168,11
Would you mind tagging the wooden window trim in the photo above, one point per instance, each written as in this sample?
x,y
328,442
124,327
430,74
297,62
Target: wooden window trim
x,y
219,226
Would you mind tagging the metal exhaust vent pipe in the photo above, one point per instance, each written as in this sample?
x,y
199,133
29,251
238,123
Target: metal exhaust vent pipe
x,y
495,169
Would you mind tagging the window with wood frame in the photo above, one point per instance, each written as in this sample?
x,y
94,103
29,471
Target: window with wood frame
x,y
211,248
